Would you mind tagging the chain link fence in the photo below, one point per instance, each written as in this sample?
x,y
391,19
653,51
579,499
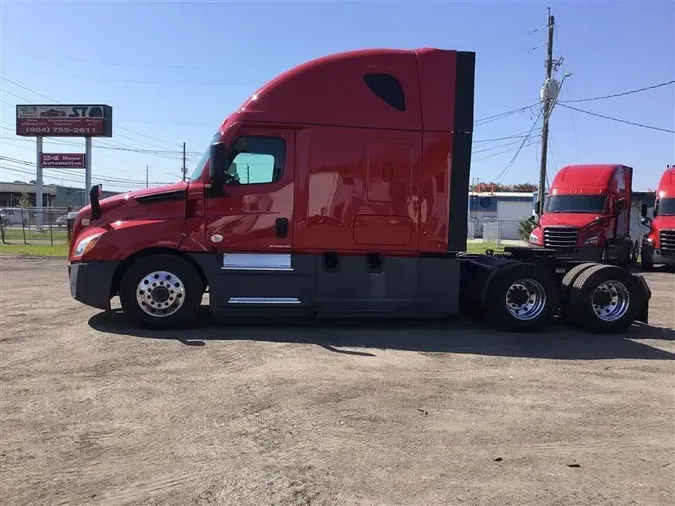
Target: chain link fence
x,y
29,225
494,231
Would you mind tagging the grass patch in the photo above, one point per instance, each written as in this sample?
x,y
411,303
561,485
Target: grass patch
x,y
40,250
16,234
480,247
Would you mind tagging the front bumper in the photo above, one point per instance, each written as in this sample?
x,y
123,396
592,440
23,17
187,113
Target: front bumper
x,y
584,254
655,257
91,282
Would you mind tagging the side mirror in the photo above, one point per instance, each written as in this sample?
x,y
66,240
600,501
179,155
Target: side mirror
x,y
643,210
536,208
645,221
532,218
217,163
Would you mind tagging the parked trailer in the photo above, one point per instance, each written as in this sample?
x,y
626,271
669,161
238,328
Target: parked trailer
x,y
338,189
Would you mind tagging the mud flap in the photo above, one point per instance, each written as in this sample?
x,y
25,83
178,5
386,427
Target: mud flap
x,y
643,315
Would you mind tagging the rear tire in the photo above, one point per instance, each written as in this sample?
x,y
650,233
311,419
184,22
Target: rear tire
x,y
606,298
566,285
520,298
161,291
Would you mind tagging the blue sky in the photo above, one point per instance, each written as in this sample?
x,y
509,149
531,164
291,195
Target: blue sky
x,y
173,70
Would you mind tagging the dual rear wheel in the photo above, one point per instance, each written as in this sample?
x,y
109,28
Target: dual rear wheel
x,y
599,298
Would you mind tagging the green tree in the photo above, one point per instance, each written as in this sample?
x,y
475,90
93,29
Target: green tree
x,y
24,200
525,228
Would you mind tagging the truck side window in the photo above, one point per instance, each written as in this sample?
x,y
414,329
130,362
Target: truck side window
x,y
388,88
256,160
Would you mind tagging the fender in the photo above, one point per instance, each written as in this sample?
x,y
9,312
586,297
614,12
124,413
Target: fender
x,y
123,239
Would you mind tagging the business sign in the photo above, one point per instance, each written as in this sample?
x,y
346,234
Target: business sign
x,y
62,160
64,120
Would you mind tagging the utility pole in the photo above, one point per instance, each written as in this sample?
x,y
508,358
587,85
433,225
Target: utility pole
x,y
547,103
146,177
184,169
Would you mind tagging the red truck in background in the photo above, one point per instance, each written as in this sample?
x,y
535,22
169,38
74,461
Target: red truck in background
x,y
587,214
338,189
658,245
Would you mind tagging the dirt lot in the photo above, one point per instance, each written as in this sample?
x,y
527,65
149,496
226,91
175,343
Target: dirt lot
x,y
96,413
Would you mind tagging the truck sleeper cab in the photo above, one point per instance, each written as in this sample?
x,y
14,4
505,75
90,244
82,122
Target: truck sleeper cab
x,y
587,214
658,244
339,189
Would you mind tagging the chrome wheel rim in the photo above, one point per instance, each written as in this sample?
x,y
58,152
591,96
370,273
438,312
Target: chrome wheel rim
x,y
610,301
160,294
526,299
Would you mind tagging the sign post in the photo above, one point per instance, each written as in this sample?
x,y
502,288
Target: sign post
x,y
38,185
58,120
87,169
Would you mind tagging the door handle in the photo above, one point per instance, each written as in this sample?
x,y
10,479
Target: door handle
x,y
282,227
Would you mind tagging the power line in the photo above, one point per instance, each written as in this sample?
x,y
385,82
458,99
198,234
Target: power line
x,y
166,154
112,64
519,135
69,173
618,120
499,146
574,123
622,94
522,145
501,115
56,101
530,142
142,81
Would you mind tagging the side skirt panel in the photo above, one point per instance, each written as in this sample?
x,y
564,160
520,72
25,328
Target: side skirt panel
x,y
331,286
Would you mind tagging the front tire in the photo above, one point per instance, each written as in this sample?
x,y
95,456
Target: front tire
x,y
161,291
520,298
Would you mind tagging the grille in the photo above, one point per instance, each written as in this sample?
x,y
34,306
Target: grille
x,y
561,237
667,238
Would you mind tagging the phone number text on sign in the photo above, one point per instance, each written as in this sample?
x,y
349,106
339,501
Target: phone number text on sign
x,y
53,130
76,127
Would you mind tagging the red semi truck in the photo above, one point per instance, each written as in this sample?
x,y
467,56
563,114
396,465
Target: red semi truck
x,y
339,189
587,214
658,245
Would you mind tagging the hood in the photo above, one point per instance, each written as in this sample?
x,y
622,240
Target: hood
x,y
567,219
663,222
129,200
147,193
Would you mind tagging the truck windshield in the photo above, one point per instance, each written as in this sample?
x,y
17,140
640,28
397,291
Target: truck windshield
x,y
575,204
205,158
665,207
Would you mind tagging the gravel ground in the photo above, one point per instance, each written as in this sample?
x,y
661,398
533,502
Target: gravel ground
x,y
95,412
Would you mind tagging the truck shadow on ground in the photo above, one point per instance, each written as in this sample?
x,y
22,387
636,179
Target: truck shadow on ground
x,y
454,336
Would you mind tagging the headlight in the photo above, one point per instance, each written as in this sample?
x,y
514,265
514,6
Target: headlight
x,y
534,239
649,241
592,240
86,244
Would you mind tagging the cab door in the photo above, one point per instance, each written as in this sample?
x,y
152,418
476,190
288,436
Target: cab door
x,y
254,213
250,227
